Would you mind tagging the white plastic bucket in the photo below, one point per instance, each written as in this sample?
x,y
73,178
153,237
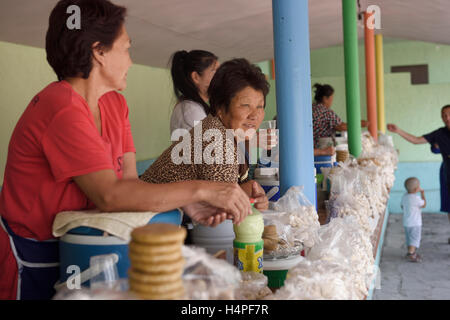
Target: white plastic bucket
x,y
282,264
215,239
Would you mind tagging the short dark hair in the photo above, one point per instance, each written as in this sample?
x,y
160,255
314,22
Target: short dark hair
x,y
445,107
69,52
230,78
322,91
183,64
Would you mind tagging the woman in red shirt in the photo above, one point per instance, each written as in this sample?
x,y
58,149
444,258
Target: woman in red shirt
x,y
72,149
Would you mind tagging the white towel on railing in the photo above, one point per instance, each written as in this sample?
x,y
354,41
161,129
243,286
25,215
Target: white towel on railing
x,y
119,224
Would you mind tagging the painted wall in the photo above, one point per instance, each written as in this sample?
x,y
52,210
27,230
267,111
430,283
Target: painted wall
x,y
329,61
415,108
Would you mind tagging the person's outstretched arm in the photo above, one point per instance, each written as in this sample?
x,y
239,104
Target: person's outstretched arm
x,y
405,135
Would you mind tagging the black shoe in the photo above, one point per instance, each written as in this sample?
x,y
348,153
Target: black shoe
x,y
414,257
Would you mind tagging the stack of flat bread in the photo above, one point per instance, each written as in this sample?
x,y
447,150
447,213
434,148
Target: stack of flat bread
x,y
272,241
157,262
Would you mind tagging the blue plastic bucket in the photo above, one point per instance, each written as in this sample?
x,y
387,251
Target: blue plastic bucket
x,y
323,161
271,188
78,245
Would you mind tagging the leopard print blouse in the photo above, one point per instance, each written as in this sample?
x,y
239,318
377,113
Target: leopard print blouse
x,y
221,167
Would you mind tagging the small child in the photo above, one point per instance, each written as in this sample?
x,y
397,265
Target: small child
x,y
412,217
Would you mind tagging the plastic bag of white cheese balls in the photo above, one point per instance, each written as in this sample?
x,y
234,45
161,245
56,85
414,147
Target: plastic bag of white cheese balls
x,y
339,267
343,241
302,215
317,280
253,287
208,278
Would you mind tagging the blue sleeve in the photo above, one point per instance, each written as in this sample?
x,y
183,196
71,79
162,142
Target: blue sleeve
x,y
435,150
432,136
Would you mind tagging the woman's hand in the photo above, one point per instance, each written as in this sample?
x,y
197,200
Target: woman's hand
x,y
228,197
261,200
364,123
205,214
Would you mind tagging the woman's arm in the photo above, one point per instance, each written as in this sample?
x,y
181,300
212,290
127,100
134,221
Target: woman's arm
x,y
329,151
344,127
341,127
129,166
110,194
405,135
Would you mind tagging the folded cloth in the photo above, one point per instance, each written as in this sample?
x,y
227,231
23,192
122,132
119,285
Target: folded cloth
x,y
119,224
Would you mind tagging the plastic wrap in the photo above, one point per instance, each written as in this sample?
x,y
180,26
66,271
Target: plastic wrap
x,y
296,223
280,240
340,266
317,280
343,241
208,278
360,187
253,287
118,292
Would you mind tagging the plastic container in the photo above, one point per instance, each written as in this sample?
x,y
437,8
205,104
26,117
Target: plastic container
x,y
215,239
105,271
323,161
80,244
340,141
315,193
325,142
269,181
77,250
276,270
248,244
268,124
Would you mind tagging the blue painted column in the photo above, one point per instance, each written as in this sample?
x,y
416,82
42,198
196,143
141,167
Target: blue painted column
x,y
293,91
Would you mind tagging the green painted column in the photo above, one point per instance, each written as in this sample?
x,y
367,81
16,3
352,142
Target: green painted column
x,y
352,97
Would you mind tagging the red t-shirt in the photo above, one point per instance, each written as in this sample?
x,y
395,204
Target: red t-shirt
x,y
56,139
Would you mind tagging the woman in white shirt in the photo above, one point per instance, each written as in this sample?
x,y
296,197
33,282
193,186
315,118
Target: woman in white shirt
x,y
191,74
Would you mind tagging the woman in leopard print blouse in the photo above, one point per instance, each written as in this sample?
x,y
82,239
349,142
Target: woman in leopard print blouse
x,y
210,151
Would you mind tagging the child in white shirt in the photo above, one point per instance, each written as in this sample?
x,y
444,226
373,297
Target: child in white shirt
x,y
412,217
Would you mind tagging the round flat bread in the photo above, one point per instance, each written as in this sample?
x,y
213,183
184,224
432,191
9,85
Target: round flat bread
x,y
270,230
154,277
142,248
155,288
156,258
174,266
159,233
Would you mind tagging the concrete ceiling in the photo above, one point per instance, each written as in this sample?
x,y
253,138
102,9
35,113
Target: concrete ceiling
x,y
229,28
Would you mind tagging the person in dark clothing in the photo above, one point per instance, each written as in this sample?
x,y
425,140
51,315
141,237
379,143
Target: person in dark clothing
x,y
439,137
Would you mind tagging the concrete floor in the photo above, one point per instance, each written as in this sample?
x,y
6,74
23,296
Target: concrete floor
x,y
428,280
